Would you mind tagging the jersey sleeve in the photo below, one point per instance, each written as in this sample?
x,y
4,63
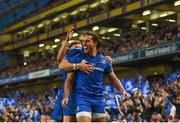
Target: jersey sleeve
x,y
108,69
73,53
76,59
67,56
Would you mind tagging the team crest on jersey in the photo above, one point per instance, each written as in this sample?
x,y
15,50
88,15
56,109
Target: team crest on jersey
x,y
102,61
77,108
83,60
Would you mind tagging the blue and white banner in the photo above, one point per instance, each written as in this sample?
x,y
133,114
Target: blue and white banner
x,y
14,79
7,102
173,77
55,71
145,89
39,74
129,85
32,75
160,50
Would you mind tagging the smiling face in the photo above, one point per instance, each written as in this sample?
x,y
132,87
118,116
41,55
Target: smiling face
x,y
88,44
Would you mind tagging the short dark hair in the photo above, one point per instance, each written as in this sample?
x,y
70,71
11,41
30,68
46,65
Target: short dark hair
x,y
95,38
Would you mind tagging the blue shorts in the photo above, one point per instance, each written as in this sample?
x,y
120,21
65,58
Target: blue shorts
x,y
70,109
90,107
57,114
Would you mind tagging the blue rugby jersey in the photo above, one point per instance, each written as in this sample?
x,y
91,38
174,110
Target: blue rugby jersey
x,y
91,85
68,56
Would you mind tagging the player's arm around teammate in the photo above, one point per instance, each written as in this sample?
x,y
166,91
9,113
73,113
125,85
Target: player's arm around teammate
x,y
69,67
63,63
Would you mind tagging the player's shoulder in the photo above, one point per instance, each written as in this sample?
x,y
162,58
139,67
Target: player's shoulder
x,y
77,57
101,56
103,59
80,54
75,51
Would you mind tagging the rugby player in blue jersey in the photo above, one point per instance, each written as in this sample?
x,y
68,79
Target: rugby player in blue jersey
x,y
89,87
67,114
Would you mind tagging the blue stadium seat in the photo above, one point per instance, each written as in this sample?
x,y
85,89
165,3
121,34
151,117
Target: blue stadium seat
x,y
41,3
7,20
25,10
13,2
3,59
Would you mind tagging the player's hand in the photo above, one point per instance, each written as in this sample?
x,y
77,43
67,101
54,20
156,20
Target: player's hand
x,y
64,102
69,34
126,95
85,66
109,59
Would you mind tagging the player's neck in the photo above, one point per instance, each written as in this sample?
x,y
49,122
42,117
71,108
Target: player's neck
x,y
93,53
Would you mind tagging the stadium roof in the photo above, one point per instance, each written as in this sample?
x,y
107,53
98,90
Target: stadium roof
x,y
13,10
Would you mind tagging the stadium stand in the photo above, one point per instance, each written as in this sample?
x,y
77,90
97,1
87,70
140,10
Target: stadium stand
x,y
135,39
15,10
50,5
90,11
152,52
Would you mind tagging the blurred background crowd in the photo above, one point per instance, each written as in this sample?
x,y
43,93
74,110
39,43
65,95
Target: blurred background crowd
x,y
22,106
156,100
133,40
31,33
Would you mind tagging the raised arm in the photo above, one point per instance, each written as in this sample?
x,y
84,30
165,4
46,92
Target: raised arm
x,y
117,83
64,47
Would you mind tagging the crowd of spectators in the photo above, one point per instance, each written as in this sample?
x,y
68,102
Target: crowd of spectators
x,y
34,63
27,107
162,104
137,39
